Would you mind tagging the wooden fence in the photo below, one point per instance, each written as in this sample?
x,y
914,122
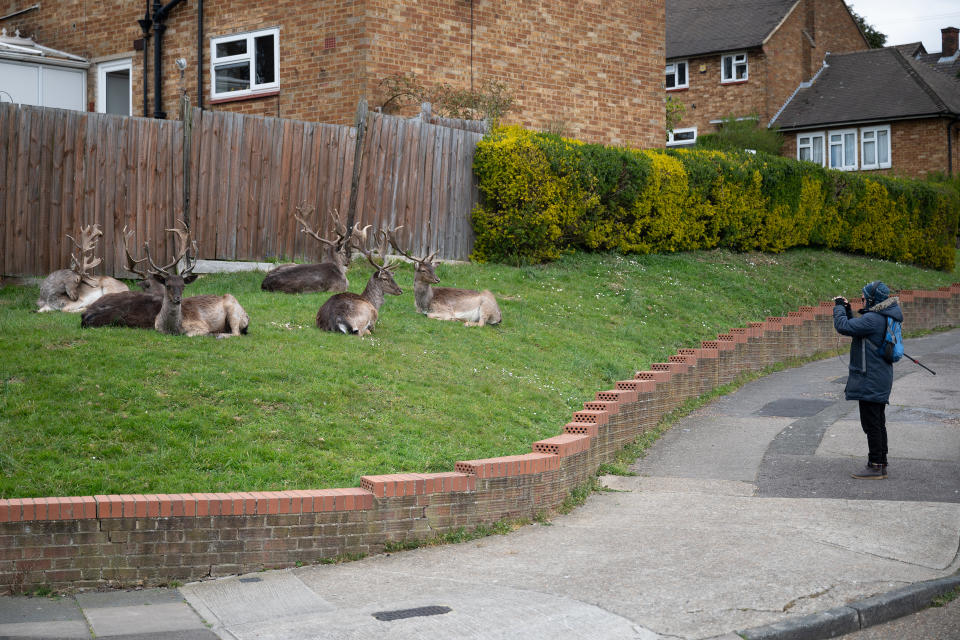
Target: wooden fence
x,y
62,169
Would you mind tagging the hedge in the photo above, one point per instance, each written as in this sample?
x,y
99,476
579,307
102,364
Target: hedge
x,y
543,195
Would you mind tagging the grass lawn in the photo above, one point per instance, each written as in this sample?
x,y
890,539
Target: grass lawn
x,y
91,411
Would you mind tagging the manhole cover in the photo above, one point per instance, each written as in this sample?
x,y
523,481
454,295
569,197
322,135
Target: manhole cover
x,y
794,407
400,614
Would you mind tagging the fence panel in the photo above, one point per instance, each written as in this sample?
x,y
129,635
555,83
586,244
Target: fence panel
x,y
62,169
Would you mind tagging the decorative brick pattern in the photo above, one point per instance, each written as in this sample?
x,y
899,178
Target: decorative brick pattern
x,y
564,445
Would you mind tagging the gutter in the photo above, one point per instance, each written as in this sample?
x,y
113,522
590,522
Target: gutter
x,y
850,123
21,12
950,125
160,14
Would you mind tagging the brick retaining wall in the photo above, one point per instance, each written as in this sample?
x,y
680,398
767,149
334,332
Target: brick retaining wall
x,y
124,540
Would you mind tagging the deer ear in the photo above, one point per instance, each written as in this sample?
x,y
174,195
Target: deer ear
x,y
190,278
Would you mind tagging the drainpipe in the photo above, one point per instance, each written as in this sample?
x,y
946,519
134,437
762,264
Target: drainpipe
x,y
160,14
145,23
950,126
200,54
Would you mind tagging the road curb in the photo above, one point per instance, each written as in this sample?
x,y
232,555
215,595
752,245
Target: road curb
x,y
856,615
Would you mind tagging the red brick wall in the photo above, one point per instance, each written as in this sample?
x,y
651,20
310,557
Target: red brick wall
x,y
149,540
708,99
917,148
595,67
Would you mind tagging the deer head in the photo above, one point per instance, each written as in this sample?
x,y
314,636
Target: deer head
x,y
383,276
171,281
424,268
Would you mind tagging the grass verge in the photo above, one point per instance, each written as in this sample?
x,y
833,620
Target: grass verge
x,y
86,412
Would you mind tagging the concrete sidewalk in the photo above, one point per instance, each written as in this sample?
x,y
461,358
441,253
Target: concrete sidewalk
x,y
743,518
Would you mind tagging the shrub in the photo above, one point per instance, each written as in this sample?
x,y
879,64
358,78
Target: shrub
x,y
544,195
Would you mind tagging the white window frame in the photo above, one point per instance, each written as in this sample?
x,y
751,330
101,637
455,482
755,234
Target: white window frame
x,y
103,69
736,59
843,149
673,68
875,131
810,135
672,140
249,56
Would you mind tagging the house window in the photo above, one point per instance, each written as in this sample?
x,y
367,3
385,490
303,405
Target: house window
x,y
810,147
682,137
245,64
676,75
733,67
843,149
875,147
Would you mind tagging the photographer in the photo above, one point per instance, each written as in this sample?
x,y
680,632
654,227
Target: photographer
x,y
871,376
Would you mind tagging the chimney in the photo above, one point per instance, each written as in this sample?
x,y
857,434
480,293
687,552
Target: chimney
x,y
949,35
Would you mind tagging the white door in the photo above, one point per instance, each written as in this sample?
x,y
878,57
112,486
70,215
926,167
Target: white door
x,y
114,93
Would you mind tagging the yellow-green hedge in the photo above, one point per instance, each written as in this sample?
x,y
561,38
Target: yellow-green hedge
x,y
544,195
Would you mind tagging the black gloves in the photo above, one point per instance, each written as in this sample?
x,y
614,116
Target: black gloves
x,y
838,301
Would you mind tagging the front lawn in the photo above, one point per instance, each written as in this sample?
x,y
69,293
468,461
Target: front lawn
x,y
93,411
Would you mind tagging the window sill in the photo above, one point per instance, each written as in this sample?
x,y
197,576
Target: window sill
x,y
725,82
678,88
874,167
246,96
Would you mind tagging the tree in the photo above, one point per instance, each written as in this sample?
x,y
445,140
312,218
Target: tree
x,y
491,101
740,134
875,39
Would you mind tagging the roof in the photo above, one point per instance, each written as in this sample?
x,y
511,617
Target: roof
x,y
16,47
870,86
948,66
698,27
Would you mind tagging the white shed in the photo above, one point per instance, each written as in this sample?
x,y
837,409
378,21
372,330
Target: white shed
x,y
38,75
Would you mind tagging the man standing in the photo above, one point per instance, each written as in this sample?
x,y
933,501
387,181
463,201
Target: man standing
x,y
871,376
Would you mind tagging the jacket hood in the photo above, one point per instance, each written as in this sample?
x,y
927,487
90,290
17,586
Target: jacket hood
x,y
889,308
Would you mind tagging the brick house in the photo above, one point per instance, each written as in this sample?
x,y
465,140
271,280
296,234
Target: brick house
x,y
740,59
592,68
877,110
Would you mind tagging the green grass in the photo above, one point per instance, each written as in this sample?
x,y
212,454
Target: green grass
x,y
90,411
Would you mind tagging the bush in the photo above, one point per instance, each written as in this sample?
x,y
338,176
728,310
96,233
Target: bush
x,y
738,135
544,195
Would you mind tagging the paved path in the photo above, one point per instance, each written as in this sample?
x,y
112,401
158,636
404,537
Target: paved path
x,y
742,516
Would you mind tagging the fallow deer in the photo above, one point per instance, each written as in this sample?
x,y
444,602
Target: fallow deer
x,y
473,308
135,309
357,314
220,316
74,289
330,274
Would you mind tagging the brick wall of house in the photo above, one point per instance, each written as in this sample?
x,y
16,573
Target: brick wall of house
x,y
596,68
130,540
917,148
792,55
708,99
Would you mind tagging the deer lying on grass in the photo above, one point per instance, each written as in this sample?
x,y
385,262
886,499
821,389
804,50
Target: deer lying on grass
x,y
330,274
473,308
135,309
220,316
357,314
74,289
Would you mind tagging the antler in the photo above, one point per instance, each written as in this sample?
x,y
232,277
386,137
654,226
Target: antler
x,y
133,265
384,240
183,250
88,241
396,245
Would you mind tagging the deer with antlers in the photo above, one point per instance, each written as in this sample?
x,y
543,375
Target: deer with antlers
x,y
330,274
357,314
473,308
220,316
74,289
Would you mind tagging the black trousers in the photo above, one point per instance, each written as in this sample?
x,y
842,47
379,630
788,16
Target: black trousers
x,y
874,423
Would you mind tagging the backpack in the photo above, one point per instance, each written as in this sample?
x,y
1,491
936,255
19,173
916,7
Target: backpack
x,y
891,349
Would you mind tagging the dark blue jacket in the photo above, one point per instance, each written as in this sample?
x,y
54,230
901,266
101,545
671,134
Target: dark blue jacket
x,y
871,377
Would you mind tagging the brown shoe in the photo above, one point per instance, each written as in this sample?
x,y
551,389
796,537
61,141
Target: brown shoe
x,y
871,472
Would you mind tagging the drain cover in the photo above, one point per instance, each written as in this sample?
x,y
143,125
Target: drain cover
x,y
251,580
400,614
794,408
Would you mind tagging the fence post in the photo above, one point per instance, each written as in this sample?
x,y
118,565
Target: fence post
x,y
357,162
186,115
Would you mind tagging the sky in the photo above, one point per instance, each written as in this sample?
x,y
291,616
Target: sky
x,y
906,21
